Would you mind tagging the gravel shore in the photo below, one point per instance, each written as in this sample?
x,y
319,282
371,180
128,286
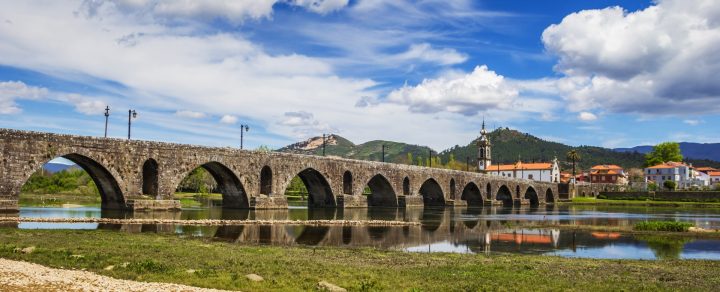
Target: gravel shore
x,y
22,276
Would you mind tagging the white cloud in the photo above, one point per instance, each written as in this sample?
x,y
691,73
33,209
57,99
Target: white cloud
x,y
304,124
228,119
587,116
233,11
655,61
190,114
468,94
425,52
13,90
321,6
83,104
693,122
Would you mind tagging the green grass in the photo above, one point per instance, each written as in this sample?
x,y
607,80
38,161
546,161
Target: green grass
x,y
167,258
671,226
645,202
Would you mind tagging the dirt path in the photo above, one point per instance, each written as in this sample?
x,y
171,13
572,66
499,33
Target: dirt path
x,y
22,276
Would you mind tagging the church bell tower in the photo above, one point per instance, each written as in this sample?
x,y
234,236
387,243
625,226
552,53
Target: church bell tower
x,y
484,156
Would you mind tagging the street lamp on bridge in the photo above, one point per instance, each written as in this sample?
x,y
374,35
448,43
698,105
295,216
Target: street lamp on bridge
x,y
243,128
383,152
131,115
107,114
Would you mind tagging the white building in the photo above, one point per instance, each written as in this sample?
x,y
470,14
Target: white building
x,y
540,171
680,173
714,177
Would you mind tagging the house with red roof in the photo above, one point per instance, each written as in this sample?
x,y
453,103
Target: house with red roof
x,y
608,174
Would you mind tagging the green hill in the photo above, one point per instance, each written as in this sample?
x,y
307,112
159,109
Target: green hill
x,y
507,146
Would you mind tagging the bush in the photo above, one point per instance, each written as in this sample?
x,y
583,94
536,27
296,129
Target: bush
x,y
652,186
670,185
717,186
672,226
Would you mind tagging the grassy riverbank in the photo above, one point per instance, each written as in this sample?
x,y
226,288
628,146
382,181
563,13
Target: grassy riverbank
x,y
594,201
198,262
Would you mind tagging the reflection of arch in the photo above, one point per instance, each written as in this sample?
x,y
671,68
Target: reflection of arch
x,y
228,184
549,197
406,186
319,191
382,193
452,188
347,183
532,195
266,180
110,193
432,193
505,196
150,178
489,191
312,235
471,194
346,235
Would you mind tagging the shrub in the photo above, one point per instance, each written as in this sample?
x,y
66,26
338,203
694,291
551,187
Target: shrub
x,y
672,226
717,186
652,186
670,185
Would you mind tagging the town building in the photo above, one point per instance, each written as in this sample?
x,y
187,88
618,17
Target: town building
x,y
540,171
678,172
714,177
608,174
706,169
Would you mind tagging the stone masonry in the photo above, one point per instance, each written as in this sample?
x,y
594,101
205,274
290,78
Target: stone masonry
x,y
144,175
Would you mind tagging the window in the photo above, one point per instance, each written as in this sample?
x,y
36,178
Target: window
x,y
602,178
530,176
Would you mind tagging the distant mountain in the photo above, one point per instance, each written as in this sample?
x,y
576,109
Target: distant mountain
x,y
58,167
338,146
507,146
710,151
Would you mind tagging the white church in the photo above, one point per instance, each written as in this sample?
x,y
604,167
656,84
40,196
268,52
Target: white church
x,y
540,171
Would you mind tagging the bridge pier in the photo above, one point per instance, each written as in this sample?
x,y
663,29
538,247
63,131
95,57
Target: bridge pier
x,y
9,206
352,201
265,202
410,201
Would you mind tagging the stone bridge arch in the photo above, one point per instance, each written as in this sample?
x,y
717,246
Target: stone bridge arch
x,y
109,181
432,193
472,195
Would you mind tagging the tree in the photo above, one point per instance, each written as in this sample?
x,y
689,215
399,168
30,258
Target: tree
x,y
663,152
410,158
573,156
670,185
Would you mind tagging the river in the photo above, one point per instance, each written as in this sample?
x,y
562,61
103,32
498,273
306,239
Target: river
x,y
460,230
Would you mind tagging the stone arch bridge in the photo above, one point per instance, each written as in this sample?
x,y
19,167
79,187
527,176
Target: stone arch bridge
x,y
144,175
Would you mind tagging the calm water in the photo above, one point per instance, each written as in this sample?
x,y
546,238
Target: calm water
x,y
482,230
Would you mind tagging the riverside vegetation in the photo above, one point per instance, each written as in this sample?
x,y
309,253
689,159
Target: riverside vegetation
x,y
207,263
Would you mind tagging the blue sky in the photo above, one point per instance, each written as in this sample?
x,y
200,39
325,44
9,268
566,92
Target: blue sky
x,y
606,73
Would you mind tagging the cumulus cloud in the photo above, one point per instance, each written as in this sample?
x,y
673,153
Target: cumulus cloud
x,y
587,116
230,10
13,90
190,114
303,124
657,60
468,94
228,119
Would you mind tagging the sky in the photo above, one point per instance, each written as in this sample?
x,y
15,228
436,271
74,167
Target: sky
x,y
604,73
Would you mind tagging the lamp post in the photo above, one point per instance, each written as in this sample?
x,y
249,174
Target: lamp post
x,y
243,129
467,163
131,115
383,152
107,114
324,143
430,154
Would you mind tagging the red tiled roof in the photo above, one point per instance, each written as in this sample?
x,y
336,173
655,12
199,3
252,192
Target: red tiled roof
x,y
669,164
705,168
606,167
521,166
714,173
